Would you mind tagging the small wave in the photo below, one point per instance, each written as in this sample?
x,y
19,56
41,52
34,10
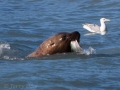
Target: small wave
x,y
89,51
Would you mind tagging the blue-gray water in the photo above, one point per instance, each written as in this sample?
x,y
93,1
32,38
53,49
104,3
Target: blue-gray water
x,y
24,24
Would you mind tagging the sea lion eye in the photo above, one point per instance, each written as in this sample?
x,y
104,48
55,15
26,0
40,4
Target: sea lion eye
x,y
64,37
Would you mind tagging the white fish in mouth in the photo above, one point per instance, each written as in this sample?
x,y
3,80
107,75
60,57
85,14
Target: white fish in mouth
x,y
75,47
95,28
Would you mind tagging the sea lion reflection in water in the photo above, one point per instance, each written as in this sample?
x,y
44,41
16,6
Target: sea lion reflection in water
x,y
59,43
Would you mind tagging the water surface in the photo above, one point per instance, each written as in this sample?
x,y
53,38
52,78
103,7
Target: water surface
x,y
25,24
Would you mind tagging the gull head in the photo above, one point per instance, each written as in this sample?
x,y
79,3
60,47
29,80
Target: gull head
x,y
104,20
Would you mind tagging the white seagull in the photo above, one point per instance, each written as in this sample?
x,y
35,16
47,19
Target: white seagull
x,y
93,28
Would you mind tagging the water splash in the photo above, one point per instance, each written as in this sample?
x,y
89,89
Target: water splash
x,y
5,51
89,51
4,47
12,58
6,57
76,48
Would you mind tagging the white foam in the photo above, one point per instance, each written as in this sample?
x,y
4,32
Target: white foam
x,y
7,53
12,58
3,47
6,57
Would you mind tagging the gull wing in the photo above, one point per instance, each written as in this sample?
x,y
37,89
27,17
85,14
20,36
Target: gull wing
x,y
92,27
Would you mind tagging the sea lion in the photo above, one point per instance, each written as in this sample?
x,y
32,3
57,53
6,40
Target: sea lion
x,y
59,43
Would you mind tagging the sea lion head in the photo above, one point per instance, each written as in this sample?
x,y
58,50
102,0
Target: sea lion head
x,y
59,43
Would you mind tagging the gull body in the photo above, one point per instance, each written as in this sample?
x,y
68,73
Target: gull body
x,y
95,28
75,46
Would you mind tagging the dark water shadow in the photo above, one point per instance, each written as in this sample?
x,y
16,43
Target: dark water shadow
x,y
73,56
64,56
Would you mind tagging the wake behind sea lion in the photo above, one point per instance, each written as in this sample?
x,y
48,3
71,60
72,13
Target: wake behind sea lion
x,y
59,43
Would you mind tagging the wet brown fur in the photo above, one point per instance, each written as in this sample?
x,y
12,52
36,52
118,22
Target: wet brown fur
x,y
59,43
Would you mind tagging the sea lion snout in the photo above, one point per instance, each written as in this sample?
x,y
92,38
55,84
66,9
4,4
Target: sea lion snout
x,y
75,36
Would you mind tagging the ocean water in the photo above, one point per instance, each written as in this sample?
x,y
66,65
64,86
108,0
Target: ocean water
x,y
25,24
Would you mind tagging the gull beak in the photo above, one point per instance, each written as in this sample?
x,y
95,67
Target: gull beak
x,y
107,20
